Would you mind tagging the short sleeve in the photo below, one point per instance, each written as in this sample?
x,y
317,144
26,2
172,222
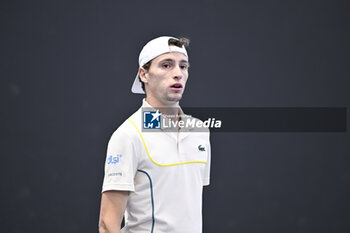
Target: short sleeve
x,y
206,180
121,163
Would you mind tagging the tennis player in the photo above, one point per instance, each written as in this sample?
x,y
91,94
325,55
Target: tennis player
x,y
155,179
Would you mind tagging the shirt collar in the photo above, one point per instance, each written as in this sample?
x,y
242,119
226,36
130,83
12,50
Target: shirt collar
x,y
145,104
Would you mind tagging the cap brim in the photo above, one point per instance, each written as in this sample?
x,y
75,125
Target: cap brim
x,y
137,86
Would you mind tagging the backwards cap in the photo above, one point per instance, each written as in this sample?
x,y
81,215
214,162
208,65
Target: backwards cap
x,y
151,50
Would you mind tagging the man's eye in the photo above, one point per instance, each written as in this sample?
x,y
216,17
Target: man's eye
x,y
183,66
166,65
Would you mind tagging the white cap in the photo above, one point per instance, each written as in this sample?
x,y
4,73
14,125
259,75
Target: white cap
x,y
151,50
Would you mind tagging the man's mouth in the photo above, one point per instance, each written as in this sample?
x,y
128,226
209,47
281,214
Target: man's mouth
x,y
176,86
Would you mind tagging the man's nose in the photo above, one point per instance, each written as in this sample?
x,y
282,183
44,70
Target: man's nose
x,y
177,72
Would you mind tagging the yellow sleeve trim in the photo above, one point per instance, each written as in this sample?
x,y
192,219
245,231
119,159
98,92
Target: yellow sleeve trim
x,y
159,164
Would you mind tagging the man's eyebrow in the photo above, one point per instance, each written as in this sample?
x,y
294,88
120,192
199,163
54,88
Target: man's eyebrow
x,y
186,62
172,60
167,59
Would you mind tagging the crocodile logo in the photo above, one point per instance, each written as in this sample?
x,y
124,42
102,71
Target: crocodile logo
x,y
201,148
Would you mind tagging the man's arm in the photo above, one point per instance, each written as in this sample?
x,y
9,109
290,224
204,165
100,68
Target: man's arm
x,y
113,204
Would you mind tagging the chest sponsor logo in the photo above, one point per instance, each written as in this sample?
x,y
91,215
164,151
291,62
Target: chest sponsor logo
x,y
201,148
114,159
151,119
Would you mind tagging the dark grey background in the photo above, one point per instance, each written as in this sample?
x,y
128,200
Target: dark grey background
x,y
66,70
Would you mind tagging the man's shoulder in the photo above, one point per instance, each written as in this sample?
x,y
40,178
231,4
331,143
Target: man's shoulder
x,y
128,127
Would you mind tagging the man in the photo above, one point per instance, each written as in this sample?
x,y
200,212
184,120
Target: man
x,y
156,178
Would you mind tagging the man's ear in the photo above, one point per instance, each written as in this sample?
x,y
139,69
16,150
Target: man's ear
x,y
142,74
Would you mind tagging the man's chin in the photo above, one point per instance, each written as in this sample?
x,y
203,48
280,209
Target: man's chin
x,y
174,98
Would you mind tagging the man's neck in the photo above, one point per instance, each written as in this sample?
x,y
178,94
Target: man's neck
x,y
171,108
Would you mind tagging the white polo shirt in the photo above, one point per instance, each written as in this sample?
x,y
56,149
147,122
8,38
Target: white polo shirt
x,y
165,173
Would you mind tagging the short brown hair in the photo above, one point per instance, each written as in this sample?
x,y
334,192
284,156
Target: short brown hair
x,y
183,41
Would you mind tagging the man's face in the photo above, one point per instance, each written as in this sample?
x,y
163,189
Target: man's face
x,y
166,78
